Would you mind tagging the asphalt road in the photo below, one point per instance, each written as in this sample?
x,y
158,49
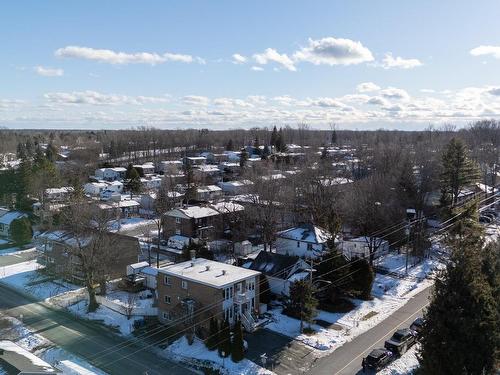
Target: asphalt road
x,y
85,338
346,360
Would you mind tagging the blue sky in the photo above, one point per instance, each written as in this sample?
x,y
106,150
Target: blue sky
x,y
360,64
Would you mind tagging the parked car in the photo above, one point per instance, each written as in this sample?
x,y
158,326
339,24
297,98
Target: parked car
x,y
417,325
401,341
378,358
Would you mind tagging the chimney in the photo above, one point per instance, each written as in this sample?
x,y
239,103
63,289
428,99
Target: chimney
x,y
223,272
192,253
207,268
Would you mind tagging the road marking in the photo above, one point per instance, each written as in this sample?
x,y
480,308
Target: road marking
x,y
382,337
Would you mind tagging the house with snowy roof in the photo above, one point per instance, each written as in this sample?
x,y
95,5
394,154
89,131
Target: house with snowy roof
x,y
279,270
6,219
305,241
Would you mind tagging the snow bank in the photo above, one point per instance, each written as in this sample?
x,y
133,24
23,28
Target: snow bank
x,y
198,354
405,365
107,316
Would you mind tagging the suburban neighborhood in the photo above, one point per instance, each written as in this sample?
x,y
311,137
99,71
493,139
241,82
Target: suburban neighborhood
x,y
272,234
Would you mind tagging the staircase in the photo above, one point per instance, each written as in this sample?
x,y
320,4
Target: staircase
x,y
248,322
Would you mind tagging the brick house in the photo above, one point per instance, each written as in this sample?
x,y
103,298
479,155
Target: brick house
x,y
208,222
57,249
211,288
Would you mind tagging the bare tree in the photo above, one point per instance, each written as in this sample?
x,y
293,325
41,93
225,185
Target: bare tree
x,y
130,304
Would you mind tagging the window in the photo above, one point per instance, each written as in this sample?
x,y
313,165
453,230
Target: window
x,y
309,246
184,284
166,315
178,231
167,299
167,280
298,243
177,220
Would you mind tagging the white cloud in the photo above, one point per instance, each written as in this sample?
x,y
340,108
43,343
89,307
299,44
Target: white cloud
x,y
427,91
334,51
328,103
493,51
48,72
395,93
121,58
231,102
271,55
398,62
195,100
377,100
239,59
494,91
367,87
257,68
97,98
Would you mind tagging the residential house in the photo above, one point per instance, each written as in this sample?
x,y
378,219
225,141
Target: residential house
x,y
61,194
194,160
279,270
236,187
144,169
207,173
6,219
221,290
170,167
94,188
110,174
58,252
208,193
306,241
192,221
14,359
359,247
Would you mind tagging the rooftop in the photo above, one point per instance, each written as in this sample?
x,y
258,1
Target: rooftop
x,y
209,272
22,360
306,233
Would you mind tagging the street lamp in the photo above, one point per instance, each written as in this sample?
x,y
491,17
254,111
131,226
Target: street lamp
x,y
223,358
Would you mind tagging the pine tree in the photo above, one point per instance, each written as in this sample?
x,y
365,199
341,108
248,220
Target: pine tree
x,y
211,341
362,277
243,158
302,303
461,333
264,289
20,231
340,278
224,339
51,153
229,145
134,182
238,349
274,137
458,171
265,153
334,137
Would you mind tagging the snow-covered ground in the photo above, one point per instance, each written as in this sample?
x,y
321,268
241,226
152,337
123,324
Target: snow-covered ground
x,y
15,250
389,294
198,354
107,316
129,224
405,365
13,329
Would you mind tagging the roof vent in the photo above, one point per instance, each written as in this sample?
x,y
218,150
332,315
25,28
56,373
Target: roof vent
x,y
192,264
207,268
223,272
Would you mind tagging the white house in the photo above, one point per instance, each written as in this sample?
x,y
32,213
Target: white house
x,y
236,187
170,166
209,192
58,194
306,241
360,247
94,188
280,270
6,219
151,182
110,174
144,169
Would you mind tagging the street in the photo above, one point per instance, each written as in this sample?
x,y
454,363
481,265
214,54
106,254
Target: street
x,y
346,360
84,338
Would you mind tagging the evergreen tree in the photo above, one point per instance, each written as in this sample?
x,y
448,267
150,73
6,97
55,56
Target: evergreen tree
x,y
224,339
274,137
243,158
265,153
324,153
134,182
334,136
20,231
192,188
264,290
238,349
211,341
461,333
51,153
340,278
302,303
256,146
229,145
362,277
458,171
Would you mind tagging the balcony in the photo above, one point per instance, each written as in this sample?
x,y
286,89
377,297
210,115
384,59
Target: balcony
x,y
241,297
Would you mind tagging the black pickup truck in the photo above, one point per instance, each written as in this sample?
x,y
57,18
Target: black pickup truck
x,y
401,341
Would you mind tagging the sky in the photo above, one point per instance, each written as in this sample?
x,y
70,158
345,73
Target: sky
x,y
240,64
